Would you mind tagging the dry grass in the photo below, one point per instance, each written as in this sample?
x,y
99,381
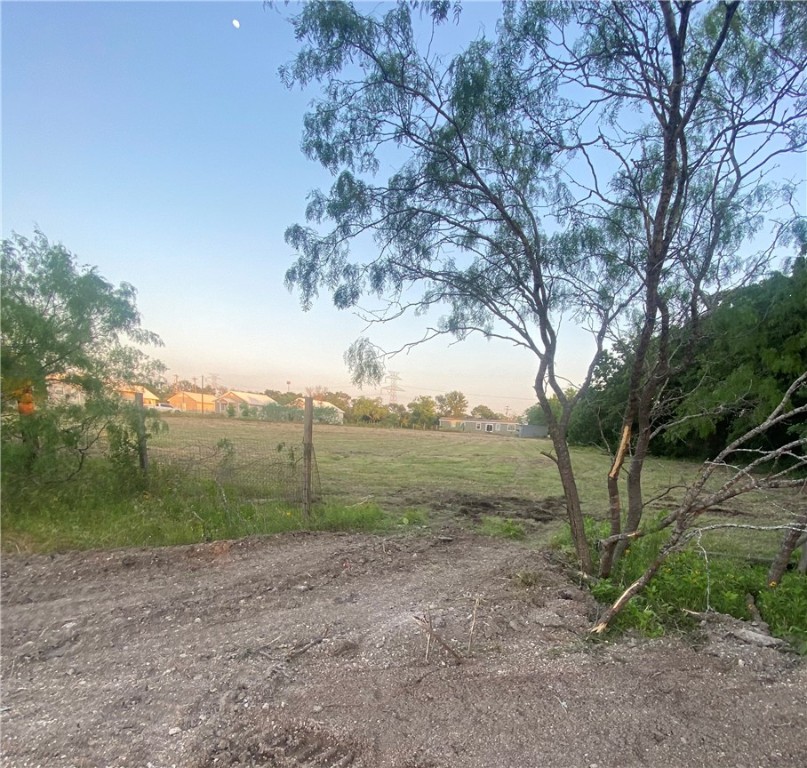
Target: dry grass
x,y
403,468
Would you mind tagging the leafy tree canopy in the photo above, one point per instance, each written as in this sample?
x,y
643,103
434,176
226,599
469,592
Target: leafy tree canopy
x,y
369,410
423,412
752,346
483,412
282,398
64,320
453,404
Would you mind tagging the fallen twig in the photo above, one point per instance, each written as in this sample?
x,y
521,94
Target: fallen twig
x,y
426,625
473,626
300,651
753,610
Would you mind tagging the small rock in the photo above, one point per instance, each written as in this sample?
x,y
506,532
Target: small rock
x,y
174,731
757,638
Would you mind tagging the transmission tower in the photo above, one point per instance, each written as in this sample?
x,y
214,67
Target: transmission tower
x,y
392,388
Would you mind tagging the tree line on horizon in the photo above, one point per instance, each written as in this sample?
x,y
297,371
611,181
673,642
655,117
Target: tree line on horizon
x,y
423,412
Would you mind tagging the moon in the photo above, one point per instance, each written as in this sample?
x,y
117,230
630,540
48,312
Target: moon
x,y
236,23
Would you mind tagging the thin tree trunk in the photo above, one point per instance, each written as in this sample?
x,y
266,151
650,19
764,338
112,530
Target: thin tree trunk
x,y
574,509
789,544
635,495
614,502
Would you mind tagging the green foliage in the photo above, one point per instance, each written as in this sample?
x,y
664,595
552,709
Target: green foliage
x,y
362,517
423,412
750,348
62,320
688,580
597,417
502,527
50,448
535,413
483,412
64,323
368,410
784,607
412,517
453,404
282,398
110,506
731,371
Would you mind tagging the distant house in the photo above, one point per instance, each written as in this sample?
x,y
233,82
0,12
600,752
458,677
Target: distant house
x,y
337,415
241,399
128,392
492,427
193,402
533,430
63,392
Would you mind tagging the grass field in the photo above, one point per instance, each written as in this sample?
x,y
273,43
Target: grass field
x,y
439,474
368,478
403,467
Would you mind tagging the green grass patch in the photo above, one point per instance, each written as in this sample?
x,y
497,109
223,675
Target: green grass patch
x,y
99,510
358,517
412,517
502,527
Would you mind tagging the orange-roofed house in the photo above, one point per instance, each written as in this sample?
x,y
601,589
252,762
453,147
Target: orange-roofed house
x,y
194,402
128,392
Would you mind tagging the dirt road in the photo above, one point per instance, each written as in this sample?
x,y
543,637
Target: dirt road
x,y
314,650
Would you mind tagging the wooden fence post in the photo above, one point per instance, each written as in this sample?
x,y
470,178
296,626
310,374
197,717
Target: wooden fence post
x,y
308,456
142,447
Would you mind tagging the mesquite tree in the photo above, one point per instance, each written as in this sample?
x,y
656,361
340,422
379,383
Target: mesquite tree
x,y
604,164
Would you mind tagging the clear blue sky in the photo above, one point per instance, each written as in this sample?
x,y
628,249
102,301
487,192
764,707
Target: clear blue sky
x,y
155,140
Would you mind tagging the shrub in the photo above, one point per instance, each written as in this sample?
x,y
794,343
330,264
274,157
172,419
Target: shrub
x,y
690,581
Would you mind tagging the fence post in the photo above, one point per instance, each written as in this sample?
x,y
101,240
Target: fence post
x,y
140,417
308,456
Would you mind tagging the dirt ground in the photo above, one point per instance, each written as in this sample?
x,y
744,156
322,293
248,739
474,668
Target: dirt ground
x,y
313,650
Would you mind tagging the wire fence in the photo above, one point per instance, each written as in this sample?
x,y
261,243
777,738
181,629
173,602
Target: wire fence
x,y
241,469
